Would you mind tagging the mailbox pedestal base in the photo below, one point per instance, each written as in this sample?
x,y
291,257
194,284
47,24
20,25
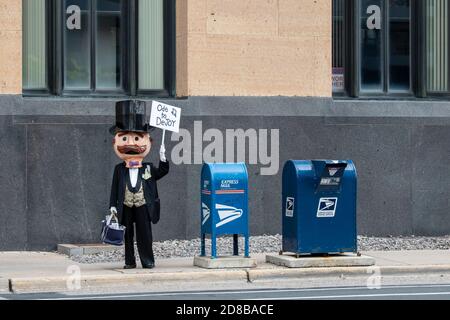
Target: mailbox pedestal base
x,y
214,242
338,260
224,262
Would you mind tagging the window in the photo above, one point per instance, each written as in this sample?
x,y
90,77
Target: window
x,y
98,47
93,43
391,48
34,45
385,46
339,45
437,41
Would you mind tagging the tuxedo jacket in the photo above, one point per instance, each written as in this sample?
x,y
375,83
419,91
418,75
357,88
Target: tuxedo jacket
x,y
120,179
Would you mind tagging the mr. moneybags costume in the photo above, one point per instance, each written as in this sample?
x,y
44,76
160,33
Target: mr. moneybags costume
x,y
134,193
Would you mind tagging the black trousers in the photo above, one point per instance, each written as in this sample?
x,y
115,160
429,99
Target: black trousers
x,y
139,217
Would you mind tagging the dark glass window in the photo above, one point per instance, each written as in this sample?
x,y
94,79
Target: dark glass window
x,y
77,45
374,45
108,44
93,45
385,46
371,45
399,45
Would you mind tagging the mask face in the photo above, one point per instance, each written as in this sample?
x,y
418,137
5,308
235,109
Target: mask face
x,y
132,147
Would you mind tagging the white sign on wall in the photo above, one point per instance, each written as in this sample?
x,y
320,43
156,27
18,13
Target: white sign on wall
x,y
338,80
165,117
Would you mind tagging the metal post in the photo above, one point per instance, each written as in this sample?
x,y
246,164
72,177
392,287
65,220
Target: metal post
x,y
213,246
247,255
235,244
202,246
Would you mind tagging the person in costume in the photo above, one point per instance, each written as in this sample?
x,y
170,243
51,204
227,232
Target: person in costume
x,y
134,193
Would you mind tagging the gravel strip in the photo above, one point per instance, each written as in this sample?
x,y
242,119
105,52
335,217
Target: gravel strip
x,y
403,243
266,243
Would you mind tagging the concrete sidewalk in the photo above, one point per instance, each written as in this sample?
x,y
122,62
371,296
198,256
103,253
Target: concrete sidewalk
x,y
24,272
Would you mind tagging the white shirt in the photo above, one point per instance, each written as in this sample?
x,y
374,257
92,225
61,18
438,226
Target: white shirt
x,y
134,176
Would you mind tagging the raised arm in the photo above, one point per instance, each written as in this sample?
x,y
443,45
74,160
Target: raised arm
x,y
161,170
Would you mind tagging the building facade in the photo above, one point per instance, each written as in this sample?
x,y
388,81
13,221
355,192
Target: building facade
x,y
259,81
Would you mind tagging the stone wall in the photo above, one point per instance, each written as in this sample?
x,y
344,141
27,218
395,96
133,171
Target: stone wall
x,y
254,48
11,46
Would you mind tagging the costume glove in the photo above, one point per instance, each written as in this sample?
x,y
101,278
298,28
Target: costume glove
x,y
113,210
162,153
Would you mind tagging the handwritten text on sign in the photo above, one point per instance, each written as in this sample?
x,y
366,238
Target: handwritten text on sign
x,y
165,117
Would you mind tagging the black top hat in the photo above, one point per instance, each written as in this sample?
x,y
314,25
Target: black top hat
x,y
131,116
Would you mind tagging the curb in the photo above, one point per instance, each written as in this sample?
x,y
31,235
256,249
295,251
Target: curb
x,y
60,284
270,274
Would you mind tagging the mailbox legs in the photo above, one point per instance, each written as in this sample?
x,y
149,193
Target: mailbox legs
x,y
202,246
213,246
235,245
247,255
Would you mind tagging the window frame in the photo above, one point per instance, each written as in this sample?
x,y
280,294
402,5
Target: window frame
x,y
423,91
356,49
418,74
129,60
48,55
169,51
346,49
59,42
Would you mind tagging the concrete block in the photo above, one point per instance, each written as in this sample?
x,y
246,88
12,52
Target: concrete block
x,y
97,248
255,48
10,15
244,17
77,250
305,18
11,67
342,260
224,262
273,65
70,250
10,55
196,15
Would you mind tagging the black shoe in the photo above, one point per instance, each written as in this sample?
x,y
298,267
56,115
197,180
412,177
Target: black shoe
x,y
150,265
130,266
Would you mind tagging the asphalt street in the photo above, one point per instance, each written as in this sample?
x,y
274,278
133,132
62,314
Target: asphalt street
x,y
397,292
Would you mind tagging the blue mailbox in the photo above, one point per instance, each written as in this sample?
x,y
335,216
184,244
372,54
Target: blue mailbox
x,y
224,204
319,207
